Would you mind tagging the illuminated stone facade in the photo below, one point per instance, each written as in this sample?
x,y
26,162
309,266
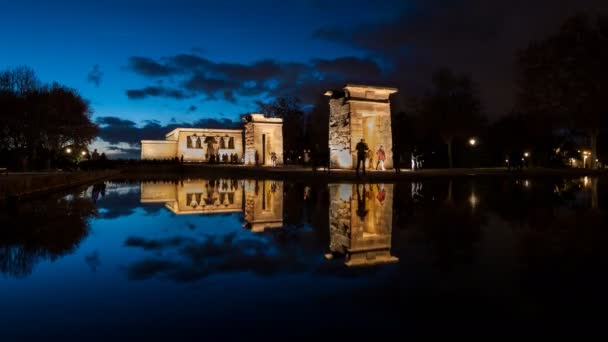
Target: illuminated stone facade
x,y
360,223
356,112
196,144
261,201
195,196
263,136
254,145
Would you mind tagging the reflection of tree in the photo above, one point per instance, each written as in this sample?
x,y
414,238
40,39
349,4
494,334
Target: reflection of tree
x,y
40,231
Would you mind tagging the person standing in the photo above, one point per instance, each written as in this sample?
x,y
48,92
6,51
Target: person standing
x,y
381,155
361,150
397,158
273,159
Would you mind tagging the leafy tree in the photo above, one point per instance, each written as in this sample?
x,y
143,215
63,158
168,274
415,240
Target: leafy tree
x,y
452,108
563,78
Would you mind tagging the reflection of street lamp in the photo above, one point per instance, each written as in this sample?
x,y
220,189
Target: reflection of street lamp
x,y
68,150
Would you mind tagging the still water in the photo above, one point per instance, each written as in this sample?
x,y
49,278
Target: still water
x,y
272,259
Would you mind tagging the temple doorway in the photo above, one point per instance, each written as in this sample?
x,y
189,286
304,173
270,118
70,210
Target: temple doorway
x,y
370,134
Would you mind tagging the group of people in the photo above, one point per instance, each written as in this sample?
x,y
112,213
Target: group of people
x,y
274,157
223,158
363,153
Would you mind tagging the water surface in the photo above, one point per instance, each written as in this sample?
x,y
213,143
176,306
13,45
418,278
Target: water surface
x,y
270,258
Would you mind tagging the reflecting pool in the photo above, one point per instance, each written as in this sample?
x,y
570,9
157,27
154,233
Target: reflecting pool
x,y
228,257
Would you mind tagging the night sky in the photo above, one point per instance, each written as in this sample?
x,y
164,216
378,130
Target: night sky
x,y
147,66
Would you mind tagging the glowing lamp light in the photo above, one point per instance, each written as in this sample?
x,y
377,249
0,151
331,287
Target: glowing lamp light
x,y
68,150
472,141
526,154
84,153
473,200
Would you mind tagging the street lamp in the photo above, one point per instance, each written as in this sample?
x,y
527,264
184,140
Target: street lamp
x,y
83,153
68,150
585,156
526,154
472,141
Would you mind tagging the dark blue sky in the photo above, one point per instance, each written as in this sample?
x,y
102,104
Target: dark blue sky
x,y
181,61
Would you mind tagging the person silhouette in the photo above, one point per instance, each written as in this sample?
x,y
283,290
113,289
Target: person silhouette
x,y
361,152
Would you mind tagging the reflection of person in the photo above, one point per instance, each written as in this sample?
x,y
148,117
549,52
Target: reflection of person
x,y
381,157
306,192
361,149
381,193
361,211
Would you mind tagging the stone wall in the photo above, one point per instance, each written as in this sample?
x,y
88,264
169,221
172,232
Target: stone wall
x,y
339,134
158,149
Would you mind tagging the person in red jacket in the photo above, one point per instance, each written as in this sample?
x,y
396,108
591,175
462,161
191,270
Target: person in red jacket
x,y
381,155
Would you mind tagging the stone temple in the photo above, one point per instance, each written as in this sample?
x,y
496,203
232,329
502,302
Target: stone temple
x,y
253,145
359,112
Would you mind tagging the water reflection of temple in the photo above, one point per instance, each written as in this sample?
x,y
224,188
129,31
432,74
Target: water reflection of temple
x,y
360,223
263,204
261,201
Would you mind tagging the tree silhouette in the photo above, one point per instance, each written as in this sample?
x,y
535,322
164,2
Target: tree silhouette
x,y
452,108
564,76
38,119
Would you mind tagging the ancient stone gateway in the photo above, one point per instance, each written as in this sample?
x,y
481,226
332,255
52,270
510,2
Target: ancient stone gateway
x,y
263,137
359,112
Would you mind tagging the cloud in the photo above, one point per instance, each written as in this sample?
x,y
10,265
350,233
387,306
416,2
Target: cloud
x,y
148,67
95,76
188,75
115,130
156,91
